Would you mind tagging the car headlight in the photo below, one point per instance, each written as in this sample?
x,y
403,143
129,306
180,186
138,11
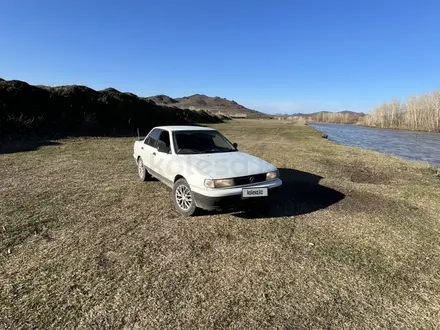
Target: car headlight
x,y
272,175
219,183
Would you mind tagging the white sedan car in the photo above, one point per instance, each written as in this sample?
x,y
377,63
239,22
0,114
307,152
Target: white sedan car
x,y
203,168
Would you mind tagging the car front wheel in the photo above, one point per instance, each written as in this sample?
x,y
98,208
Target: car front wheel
x,y
183,198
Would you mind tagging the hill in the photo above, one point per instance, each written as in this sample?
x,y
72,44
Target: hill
x,y
81,110
215,105
162,100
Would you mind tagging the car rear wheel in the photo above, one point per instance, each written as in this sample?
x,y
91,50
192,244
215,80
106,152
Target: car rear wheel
x,y
142,171
183,198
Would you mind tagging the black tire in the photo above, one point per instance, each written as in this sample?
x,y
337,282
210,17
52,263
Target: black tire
x,y
142,171
186,204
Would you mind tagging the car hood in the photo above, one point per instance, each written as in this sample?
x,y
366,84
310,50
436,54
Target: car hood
x,y
228,164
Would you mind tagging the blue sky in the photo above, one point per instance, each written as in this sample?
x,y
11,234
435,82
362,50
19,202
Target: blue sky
x,y
274,56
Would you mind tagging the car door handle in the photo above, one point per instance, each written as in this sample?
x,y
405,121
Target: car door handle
x,y
154,154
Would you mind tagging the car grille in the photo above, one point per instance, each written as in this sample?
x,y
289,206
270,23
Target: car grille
x,y
249,179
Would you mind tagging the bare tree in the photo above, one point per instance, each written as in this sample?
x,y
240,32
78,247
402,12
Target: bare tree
x,y
419,112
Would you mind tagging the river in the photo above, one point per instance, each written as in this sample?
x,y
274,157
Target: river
x,y
415,146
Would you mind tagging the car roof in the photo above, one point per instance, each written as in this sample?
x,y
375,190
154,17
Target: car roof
x,y
185,128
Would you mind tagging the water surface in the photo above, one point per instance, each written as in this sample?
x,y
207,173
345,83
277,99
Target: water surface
x,y
416,146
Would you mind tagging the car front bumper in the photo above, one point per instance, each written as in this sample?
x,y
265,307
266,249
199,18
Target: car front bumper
x,y
211,203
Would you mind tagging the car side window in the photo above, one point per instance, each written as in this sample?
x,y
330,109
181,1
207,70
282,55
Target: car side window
x,y
165,137
153,137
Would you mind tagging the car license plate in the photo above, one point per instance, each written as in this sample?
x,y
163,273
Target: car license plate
x,y
254,192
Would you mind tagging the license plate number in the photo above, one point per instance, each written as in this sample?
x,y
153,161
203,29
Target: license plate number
x,y
254,192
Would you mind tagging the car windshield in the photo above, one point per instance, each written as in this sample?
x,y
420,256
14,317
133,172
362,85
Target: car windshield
x,y
201,142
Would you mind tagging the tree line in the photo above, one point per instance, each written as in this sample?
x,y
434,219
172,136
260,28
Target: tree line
x,y
336,117
418,112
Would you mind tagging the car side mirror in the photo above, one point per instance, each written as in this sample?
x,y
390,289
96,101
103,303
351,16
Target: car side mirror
x,y
235,145
162,147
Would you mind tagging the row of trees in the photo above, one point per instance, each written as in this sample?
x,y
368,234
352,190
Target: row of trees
x,y
420,112
336,117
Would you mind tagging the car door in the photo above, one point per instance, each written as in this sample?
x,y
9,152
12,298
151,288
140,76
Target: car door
x,y
163,160
149,148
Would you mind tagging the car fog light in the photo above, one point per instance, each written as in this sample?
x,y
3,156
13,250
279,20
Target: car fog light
x,y
272,175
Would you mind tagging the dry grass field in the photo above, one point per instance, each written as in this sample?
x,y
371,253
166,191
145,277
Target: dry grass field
x,y
354,243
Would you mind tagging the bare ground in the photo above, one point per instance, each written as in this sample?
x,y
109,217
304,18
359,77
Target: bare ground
x,y
354,244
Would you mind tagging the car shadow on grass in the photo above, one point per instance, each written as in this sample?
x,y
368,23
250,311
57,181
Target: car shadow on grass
x,y
300,194
9,146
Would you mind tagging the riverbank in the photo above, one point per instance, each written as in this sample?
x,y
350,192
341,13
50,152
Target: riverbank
x,y
351,243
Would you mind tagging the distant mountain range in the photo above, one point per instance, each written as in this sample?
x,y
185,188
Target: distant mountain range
x,y
226,107
79,110
28,109
216,105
